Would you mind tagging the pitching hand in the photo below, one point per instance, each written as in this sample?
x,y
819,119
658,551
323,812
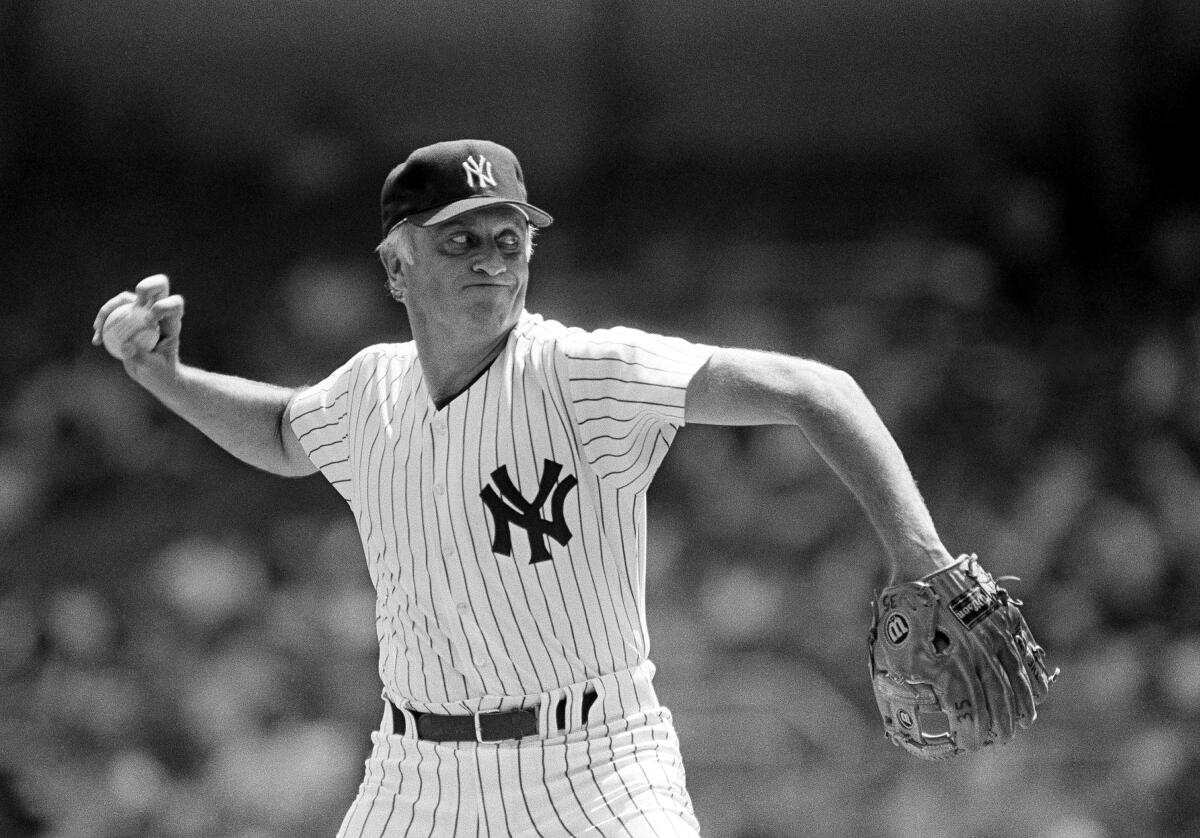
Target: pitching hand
x,y
142,327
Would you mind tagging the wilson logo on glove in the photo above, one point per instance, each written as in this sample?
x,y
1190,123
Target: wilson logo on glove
x,y
896,629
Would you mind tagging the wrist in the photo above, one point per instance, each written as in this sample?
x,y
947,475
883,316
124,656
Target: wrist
x,y
158,375
918,563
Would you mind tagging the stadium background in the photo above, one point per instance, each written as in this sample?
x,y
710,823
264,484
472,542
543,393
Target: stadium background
x,y
987,212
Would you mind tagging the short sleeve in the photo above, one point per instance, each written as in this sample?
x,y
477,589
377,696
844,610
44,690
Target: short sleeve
x,y
320,419
628,389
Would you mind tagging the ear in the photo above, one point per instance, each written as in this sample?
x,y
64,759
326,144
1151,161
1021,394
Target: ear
x,y
392,263
394,266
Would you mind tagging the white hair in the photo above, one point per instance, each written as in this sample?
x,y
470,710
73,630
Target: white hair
x,y
399,243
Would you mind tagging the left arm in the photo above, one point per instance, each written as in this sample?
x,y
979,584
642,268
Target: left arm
x,y
746,387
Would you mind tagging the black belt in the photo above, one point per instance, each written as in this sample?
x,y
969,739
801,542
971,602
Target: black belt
x,y
483,727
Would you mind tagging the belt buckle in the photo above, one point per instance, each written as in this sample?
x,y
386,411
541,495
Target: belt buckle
x,y
479,728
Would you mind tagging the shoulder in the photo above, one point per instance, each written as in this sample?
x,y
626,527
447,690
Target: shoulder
x,y
397,351
535,327
384,355
541,330
625,345
539,337
389,360
630,345
550,342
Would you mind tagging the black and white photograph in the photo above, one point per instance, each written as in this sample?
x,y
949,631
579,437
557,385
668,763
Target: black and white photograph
x,y
756,419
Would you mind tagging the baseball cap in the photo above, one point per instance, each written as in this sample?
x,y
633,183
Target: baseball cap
x,y
444,180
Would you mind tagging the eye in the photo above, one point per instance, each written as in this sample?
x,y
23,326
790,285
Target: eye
x,y
456,244
509,242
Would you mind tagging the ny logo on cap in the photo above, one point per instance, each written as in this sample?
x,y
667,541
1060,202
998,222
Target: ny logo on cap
x,y
480,170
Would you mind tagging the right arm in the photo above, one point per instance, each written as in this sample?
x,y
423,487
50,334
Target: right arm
x,y
249,419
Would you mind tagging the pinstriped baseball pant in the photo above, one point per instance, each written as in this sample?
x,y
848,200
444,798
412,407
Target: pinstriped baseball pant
x,y
619,773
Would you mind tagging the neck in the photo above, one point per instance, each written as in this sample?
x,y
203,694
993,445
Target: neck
x,y
451,362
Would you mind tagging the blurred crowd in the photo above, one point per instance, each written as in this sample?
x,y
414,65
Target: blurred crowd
x,y
187,645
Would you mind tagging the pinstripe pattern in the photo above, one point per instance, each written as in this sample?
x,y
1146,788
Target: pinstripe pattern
x,y
461,627
621,776
464,627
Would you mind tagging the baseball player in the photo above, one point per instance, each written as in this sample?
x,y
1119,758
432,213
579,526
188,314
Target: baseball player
x,y
497,467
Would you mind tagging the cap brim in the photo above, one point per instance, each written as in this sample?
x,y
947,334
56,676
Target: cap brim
x,y
537,217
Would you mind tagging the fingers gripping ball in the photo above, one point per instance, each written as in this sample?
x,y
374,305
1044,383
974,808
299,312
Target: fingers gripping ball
x,y
129,329
953,664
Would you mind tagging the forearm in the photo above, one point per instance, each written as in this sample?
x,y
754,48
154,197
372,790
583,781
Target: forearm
x,y
842,425
246,418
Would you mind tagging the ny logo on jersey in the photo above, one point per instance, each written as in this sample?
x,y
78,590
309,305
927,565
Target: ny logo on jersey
x,y
527,514
479,172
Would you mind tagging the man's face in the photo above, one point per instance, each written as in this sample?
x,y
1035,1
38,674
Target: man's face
x,y
470,272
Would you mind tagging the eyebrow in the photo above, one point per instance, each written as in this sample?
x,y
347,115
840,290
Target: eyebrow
x,y
454,226
512,219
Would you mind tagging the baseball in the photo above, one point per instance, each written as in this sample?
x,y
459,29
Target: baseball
x,y
130,324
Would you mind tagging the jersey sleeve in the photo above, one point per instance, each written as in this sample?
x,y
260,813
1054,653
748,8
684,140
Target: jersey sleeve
x,y
628,391
320,416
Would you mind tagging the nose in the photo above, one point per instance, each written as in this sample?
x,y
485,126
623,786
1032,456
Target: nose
x,y
491,263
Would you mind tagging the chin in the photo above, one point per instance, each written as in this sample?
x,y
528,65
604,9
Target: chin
x,y
496,315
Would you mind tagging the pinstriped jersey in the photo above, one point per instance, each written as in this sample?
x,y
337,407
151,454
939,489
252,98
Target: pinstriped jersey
x,y
505,533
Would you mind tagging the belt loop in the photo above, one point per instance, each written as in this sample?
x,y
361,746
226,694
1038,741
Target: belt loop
x,y
397,727
553,713
404,723
410,723
560,714
586,701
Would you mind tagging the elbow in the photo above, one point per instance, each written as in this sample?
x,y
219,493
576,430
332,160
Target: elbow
x,y
823,392
844,388
840,393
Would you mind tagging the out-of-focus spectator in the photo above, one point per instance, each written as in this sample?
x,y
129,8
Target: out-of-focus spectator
x,y
187,652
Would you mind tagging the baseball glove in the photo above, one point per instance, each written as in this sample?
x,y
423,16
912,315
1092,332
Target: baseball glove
x,y
953,663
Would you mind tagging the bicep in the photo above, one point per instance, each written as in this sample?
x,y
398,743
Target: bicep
x,y
750,387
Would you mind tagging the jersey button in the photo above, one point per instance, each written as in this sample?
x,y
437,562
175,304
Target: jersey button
x,y
439,425
464,607
439,489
